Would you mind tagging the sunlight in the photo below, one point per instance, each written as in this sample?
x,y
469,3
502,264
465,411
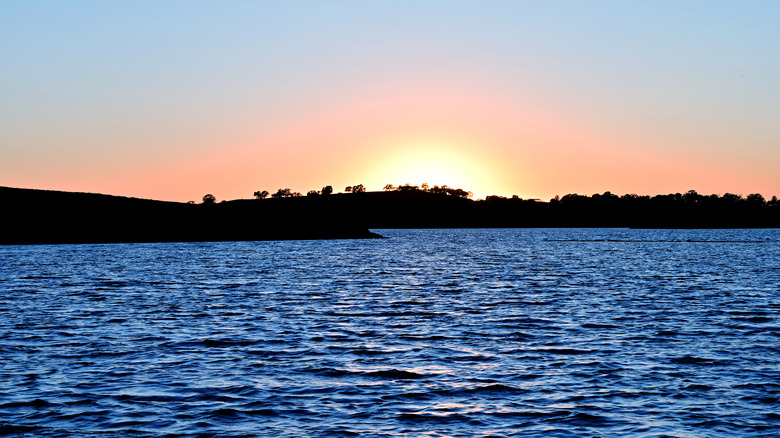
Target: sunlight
x,y
436,162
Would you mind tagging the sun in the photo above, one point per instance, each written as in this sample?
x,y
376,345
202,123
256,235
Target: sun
x,y
432,167
435,162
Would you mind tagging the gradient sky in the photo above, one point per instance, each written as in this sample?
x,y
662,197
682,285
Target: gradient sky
x,y
172,99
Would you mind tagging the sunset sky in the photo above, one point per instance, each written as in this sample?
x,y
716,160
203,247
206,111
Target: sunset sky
x,y
172,99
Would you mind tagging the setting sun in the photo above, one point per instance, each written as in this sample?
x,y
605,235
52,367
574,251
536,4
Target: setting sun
x,y
433,161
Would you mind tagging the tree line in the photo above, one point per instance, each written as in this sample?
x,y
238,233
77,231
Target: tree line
x,y
411,206
689,198
359,188
437,190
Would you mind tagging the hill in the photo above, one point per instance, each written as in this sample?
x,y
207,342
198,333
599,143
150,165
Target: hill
x,y
40,216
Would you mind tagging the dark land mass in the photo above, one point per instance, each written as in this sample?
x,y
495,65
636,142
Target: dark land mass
x,y
42,216
420,209
38,216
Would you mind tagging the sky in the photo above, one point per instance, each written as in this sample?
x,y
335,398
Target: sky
x,y
171,100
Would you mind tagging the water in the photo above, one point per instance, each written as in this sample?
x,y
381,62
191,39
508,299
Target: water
x,y
437,333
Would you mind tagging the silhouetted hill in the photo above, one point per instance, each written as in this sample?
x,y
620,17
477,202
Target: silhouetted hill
x,y
42,216
38,216
689,210
421,209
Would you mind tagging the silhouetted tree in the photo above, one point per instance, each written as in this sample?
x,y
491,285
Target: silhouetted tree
x,y
209,199
358,188
312,193
606,196
327,190
348,189
261,194
389,188
282,193
691,197
730,197
574,199
443,190
439,190
460,193
756,199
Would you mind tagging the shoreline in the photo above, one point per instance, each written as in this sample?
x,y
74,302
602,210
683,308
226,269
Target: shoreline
x,y
32,216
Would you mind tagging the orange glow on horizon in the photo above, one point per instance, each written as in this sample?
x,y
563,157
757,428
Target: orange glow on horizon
x,y
451,135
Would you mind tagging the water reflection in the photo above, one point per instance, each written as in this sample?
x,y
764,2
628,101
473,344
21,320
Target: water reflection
x,y
443,332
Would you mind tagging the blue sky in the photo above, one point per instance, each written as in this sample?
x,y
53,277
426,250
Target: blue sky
x,y
137,98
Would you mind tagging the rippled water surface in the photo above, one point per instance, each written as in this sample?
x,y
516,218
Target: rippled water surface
x,y
427,333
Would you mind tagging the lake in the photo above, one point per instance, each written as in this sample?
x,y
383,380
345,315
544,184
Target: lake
x,y
437,333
